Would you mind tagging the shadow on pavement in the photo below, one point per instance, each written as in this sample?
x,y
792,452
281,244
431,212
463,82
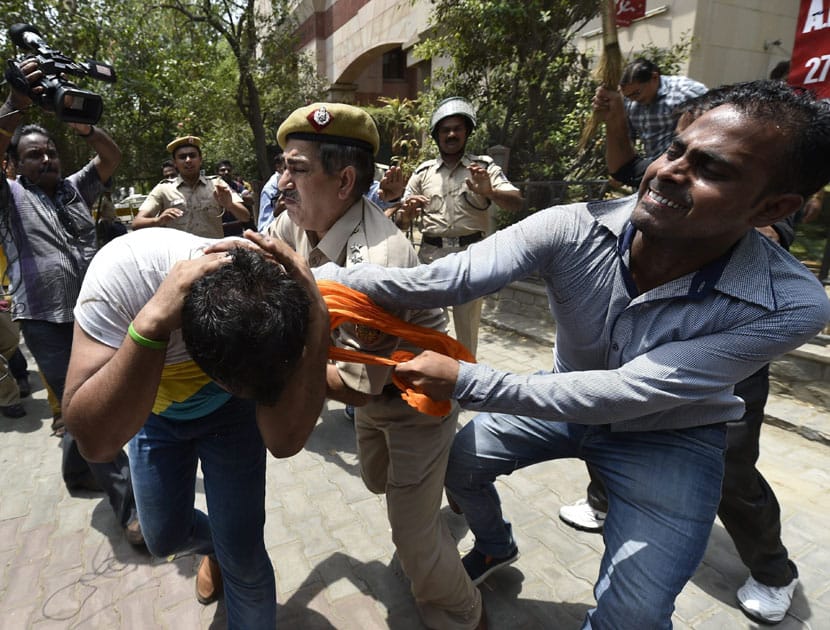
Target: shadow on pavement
x,y
38,413
506,609
721,574
334,437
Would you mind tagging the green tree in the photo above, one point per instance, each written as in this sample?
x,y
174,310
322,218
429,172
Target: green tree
x,y
516,62
591,163
263,47
220,70
404,123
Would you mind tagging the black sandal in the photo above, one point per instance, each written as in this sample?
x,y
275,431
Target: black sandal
x,y
58,429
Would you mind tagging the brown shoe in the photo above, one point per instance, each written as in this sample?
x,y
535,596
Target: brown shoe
x,y
208,580
132,532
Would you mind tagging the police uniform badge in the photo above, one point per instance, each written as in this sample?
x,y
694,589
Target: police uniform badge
x,y
366,335
355,254
356,250
320,118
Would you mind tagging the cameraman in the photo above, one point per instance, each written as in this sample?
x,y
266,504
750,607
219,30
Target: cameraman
x,y
48,234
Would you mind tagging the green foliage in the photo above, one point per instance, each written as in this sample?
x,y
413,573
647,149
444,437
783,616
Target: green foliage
x,y
405,124
220,69
669,60
515,61
531,87
261,47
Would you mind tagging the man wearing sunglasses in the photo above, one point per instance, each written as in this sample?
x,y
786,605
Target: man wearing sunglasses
x,y
651,101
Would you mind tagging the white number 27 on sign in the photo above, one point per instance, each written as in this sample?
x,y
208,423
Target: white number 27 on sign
x,y
818,67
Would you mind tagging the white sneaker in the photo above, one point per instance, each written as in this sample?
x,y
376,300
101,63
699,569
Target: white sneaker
x,y
582,516
767,604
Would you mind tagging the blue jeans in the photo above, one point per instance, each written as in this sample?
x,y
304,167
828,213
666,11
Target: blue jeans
x,y
748,508
663,493
163,460
51,345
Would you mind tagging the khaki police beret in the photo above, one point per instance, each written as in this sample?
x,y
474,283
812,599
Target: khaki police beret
x,y
184,141
331,122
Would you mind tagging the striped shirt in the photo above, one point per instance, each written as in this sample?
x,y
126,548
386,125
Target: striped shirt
x,y
665,359
654,123
49,244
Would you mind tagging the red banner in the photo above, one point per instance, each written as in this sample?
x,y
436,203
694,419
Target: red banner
x,y
630,10
810,63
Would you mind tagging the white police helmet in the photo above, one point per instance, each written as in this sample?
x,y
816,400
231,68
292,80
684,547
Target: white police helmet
x,y
453,106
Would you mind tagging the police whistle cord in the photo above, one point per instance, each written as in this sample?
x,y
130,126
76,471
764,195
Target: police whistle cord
x,y
346,305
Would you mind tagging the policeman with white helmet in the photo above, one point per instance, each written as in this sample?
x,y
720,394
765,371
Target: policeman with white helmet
x,y
454,194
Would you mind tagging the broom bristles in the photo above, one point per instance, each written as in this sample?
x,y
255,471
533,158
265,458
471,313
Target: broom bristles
x,y
610,67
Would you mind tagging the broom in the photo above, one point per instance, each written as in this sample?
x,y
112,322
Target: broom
x,y
609,70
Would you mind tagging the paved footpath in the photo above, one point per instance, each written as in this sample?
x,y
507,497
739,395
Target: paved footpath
x,y
65,564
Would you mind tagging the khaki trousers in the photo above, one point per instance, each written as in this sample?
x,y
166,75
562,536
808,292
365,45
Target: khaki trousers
x,y
465,317
404,454
9,339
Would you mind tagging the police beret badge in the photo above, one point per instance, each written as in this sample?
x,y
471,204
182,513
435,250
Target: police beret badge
x,y
337,123
319,118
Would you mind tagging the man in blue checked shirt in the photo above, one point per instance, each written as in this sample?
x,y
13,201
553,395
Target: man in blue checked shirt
x,y
651,103
663,302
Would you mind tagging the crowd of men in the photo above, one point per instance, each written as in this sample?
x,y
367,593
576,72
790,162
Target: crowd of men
x,y
189,348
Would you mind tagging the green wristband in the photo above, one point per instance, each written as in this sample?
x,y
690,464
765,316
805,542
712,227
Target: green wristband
x,y
143,341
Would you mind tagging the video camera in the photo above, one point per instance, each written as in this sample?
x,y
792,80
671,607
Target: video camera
x,y
59,95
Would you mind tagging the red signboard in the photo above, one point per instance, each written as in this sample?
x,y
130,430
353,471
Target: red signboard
x,y
810,63
630,10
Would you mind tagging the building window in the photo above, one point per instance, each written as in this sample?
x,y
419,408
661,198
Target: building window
x,y
394,65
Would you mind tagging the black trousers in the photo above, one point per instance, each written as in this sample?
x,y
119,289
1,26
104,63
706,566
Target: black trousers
x,y
50,345
748,508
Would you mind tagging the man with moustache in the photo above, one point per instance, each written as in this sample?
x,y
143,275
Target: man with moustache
x,y
49,238
663,302
454,193
329,151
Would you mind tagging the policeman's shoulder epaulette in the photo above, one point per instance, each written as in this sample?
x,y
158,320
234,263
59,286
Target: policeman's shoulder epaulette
x,y
486,159
425,165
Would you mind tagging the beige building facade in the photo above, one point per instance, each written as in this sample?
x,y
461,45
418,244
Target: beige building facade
x,y
733,40
364,48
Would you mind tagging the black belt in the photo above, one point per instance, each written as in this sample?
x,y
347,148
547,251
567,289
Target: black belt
x,y
390,390
452,241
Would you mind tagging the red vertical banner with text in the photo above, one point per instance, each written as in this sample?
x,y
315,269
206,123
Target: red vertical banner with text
x,y
810,63
630,10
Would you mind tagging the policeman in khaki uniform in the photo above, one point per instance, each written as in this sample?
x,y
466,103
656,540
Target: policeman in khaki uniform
x,y
454,193
329,153
190,201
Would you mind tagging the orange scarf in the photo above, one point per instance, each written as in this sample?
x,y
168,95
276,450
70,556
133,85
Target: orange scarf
x,y
347,305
